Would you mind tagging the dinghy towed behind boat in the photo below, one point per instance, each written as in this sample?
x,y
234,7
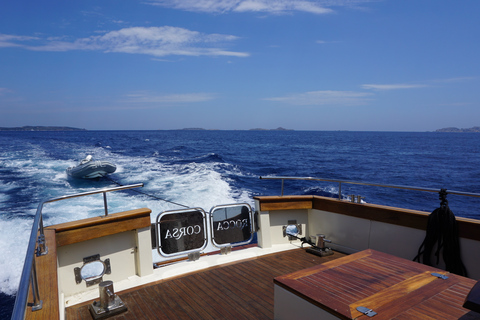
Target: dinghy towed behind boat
x,y
88,169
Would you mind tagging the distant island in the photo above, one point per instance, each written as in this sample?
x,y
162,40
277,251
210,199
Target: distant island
x,y
40,128
256,129
278,129
453,129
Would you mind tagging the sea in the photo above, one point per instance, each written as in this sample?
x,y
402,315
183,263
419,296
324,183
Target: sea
x,y
204,168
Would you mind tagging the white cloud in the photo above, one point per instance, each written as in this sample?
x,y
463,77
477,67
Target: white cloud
x,y
327,42
155,41
8,40
392,86
456,79
430,83
145,97
9,37
344,98
222,6
4,91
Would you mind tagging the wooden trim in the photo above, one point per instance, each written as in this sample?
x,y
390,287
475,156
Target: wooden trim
x,y
119,216
96,227
468,228
285,203
47,282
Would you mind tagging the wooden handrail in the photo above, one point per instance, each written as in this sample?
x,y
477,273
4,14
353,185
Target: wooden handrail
x,y
96,227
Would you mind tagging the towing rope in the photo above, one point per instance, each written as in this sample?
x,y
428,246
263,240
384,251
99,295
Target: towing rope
x,y
442,231
146,194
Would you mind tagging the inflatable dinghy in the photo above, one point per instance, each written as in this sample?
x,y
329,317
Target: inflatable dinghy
x,y
88,169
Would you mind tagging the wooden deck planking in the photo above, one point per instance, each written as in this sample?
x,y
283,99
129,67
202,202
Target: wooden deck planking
x,y
167,308
243,290
238,291
249,297
227,297
205,294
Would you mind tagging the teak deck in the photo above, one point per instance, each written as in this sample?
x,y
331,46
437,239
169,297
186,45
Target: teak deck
x,y
242,290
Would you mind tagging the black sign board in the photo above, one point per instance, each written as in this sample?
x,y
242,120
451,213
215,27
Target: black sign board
x,y
181,231
231,224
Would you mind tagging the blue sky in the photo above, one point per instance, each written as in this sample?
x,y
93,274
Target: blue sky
x,y
374,65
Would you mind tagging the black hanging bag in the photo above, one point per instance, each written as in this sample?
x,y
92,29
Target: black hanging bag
x,y
442,233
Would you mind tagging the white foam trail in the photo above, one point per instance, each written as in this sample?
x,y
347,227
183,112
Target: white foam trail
x,y
4,188
13,241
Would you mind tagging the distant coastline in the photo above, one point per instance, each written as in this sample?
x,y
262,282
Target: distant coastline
x,y
55,128
453,129
40,128
278,129
255,129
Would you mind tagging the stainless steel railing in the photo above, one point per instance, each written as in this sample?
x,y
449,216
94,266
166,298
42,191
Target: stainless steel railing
x,y
37,247
340,182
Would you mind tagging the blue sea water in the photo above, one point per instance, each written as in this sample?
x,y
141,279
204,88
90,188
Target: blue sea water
x,y
206,168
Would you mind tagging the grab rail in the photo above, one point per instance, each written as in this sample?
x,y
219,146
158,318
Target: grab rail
x,y
29,273
468,194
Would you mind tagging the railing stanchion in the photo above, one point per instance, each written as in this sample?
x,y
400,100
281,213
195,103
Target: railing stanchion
x,y
105,203
42,248
282,186
339,191
37,303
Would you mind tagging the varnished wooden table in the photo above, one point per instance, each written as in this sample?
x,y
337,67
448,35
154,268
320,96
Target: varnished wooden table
x,y
394,288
